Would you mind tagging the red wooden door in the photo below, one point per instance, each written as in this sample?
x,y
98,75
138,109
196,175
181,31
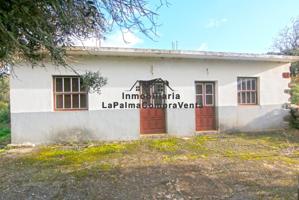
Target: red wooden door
x,y
152,120
205,115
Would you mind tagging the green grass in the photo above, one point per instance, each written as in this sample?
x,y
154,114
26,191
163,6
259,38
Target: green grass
x,y
165,145
240,156
63,156
73,157
242,146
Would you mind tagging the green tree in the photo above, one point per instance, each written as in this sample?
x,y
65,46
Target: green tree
x,y
29,26
33,29
287,43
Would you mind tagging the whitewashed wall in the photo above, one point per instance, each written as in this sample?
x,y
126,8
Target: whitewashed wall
x,y
34,119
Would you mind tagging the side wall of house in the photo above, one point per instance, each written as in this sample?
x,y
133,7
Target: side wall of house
x,y
34,119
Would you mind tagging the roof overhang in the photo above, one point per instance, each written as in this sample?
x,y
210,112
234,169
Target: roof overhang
x,y
186,54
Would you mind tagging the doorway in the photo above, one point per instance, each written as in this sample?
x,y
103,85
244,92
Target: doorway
x,y
205,115
152,119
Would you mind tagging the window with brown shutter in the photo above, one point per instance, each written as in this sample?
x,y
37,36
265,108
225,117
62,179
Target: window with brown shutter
x,y
69,93
247,91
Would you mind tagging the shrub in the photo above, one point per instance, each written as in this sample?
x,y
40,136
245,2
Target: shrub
x,y
4,116
4,90
294,120
4,134
294,113
295,94
3,105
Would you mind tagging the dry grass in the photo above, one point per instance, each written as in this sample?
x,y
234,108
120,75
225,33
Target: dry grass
x,y
237,166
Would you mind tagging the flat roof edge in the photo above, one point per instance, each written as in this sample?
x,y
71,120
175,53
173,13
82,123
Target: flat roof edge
x,y
138,52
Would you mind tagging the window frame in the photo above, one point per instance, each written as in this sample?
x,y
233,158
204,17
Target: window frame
x,y
152,91
204,95
200,95
240,91
71,93
212,94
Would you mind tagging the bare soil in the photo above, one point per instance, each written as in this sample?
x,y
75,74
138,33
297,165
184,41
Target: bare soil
x,y
218,166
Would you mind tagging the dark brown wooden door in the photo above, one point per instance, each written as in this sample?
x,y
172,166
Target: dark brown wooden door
x,y
205,115
152,120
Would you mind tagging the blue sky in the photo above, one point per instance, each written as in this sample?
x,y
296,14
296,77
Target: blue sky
x,y
217,25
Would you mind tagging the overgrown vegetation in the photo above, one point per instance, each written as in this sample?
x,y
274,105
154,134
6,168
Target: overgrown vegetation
x,y
287,43
93,81
4,137
294,112
266,146
4,111
295,93
293,120
263,165
28,27
36,32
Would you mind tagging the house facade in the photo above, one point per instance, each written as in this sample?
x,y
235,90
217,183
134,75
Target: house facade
x,y
149,91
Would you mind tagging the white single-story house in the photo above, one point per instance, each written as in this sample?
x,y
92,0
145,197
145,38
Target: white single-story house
x,y
199,91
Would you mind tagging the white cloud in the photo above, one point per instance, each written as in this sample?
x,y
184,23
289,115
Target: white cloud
x,y
203,47
121,39
117,39
214,23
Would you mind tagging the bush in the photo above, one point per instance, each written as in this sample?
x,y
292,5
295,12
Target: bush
x,y
3,105
4,90
4,134
295,94
294,112
294,120
4,116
